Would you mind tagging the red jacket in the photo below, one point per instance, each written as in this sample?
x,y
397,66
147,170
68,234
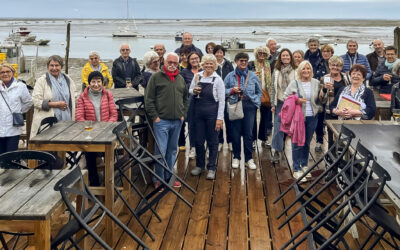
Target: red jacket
x,y
85,109
292,120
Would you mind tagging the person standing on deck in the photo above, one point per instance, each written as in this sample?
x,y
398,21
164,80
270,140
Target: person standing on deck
x,y
378,56
187,40
274,53
313,54
352,57
159,48
126,70
166,102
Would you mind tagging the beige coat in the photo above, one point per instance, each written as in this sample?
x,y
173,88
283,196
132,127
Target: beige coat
x,y
42,92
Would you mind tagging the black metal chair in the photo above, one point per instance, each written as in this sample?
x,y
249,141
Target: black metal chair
x,y
316,214
142,157
19,159
72,158
87,218
332,160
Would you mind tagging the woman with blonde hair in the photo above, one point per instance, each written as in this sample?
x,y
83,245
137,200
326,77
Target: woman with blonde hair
x,y
15,98
307,90
209,102
263,70
298,57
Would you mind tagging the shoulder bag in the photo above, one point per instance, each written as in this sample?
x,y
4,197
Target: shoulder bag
x,y
235,111
18,118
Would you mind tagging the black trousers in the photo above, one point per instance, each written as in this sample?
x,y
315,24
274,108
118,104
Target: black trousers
x,y
9,143
94,179
205,129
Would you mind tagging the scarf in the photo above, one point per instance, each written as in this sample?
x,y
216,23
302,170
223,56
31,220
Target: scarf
x,y
60,91
390,65
170,75
285,76
357,96
241,73
8,84
264,74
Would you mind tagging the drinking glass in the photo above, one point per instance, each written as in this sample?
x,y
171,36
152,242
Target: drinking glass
x,y
198,87
128,82
88,128
396,116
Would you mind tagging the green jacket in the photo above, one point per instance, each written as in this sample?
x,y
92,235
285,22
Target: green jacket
x,y
164,98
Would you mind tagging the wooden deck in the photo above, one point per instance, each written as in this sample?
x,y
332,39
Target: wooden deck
x,y
235,211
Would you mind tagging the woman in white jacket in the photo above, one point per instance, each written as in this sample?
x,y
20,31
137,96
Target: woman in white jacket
x,y
53,95
15,98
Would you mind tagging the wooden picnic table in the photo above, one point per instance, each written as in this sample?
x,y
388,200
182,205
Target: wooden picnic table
x,y
382,138
123,93
71,136
27,201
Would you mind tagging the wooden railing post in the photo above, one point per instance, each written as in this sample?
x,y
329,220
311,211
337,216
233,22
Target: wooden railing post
x,y
397,39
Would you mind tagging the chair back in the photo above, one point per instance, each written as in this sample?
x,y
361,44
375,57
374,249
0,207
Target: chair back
x,y
340,146
133,106
46,123
19,159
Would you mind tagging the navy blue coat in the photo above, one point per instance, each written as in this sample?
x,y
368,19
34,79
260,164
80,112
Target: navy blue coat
x,y
377,79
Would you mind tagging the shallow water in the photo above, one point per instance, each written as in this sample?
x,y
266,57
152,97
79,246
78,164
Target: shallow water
x,y
89,35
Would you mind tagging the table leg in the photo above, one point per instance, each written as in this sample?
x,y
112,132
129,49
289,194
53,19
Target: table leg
x,y
42,234
109,191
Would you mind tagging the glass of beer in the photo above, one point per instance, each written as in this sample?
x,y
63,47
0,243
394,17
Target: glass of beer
x,y
88,128
128,82
198,89
396,116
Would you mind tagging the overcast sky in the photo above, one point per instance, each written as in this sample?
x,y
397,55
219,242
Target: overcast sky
x,y
216,9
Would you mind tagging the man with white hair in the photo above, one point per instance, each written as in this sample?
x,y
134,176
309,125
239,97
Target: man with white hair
x,y
187,40
126,70
166,102
378,56
159,48
273,49
94,64
353,57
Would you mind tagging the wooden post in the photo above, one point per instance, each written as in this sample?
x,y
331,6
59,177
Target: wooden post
x,y
67,48
397,40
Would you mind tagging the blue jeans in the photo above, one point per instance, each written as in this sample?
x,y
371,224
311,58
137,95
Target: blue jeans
x,y
278,136
244,127
300,154
166,133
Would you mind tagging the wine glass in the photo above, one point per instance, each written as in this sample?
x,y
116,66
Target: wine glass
x,y
88,128
396,116
128,82
198,89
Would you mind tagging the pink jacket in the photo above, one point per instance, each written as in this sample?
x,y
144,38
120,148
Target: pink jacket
x,y
85,109
292,120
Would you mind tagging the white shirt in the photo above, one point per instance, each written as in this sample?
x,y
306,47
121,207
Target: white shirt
x,y
307,90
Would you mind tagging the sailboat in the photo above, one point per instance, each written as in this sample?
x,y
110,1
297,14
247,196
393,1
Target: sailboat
x,y
126,31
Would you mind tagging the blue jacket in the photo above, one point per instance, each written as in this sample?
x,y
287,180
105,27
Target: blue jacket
x,y
314,58
360,59
321,69
253,90
377,79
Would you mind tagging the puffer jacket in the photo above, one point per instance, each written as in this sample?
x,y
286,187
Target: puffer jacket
x,y
85,109
19,100
87,69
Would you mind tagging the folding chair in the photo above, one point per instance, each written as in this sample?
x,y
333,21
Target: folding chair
x,y
333,159
72,158
316,214
142,157
361,203
86,219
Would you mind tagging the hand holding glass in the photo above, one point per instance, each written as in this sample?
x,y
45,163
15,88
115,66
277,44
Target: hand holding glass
x,y
128,82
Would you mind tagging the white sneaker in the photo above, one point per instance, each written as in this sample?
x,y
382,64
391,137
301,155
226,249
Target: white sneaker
x,y
220,145
250,164
297,174
235,163
192,153
305,169
230,146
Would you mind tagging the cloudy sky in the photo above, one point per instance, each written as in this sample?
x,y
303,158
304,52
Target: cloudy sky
x,y
217,9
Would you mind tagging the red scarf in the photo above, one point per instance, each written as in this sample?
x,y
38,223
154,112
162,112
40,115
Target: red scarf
x,y
171,75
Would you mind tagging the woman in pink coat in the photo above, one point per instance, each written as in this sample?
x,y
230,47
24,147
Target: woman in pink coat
x,y
95,104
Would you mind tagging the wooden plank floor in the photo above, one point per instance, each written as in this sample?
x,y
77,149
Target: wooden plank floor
x,y
235,211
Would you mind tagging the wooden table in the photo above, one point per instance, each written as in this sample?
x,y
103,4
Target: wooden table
x,y
123,93
27,201
71,136
382,107
382,139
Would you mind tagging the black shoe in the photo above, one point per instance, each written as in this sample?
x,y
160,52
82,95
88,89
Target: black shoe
x,y
275,157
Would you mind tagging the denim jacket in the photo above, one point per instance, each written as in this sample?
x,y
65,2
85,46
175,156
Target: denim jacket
x,y
253,90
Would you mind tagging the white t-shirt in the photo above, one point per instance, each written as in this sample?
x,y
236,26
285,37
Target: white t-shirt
x,y
307,90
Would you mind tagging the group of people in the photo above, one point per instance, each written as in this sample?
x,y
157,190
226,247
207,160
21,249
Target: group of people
x,y
294,91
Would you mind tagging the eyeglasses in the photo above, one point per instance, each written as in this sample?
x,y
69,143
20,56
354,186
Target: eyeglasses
x,y
125,50
5,72
262,54
335,65
172,62
243,60
194,59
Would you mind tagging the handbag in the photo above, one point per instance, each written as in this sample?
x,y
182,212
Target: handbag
x,y
18,118
265,98
235,111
